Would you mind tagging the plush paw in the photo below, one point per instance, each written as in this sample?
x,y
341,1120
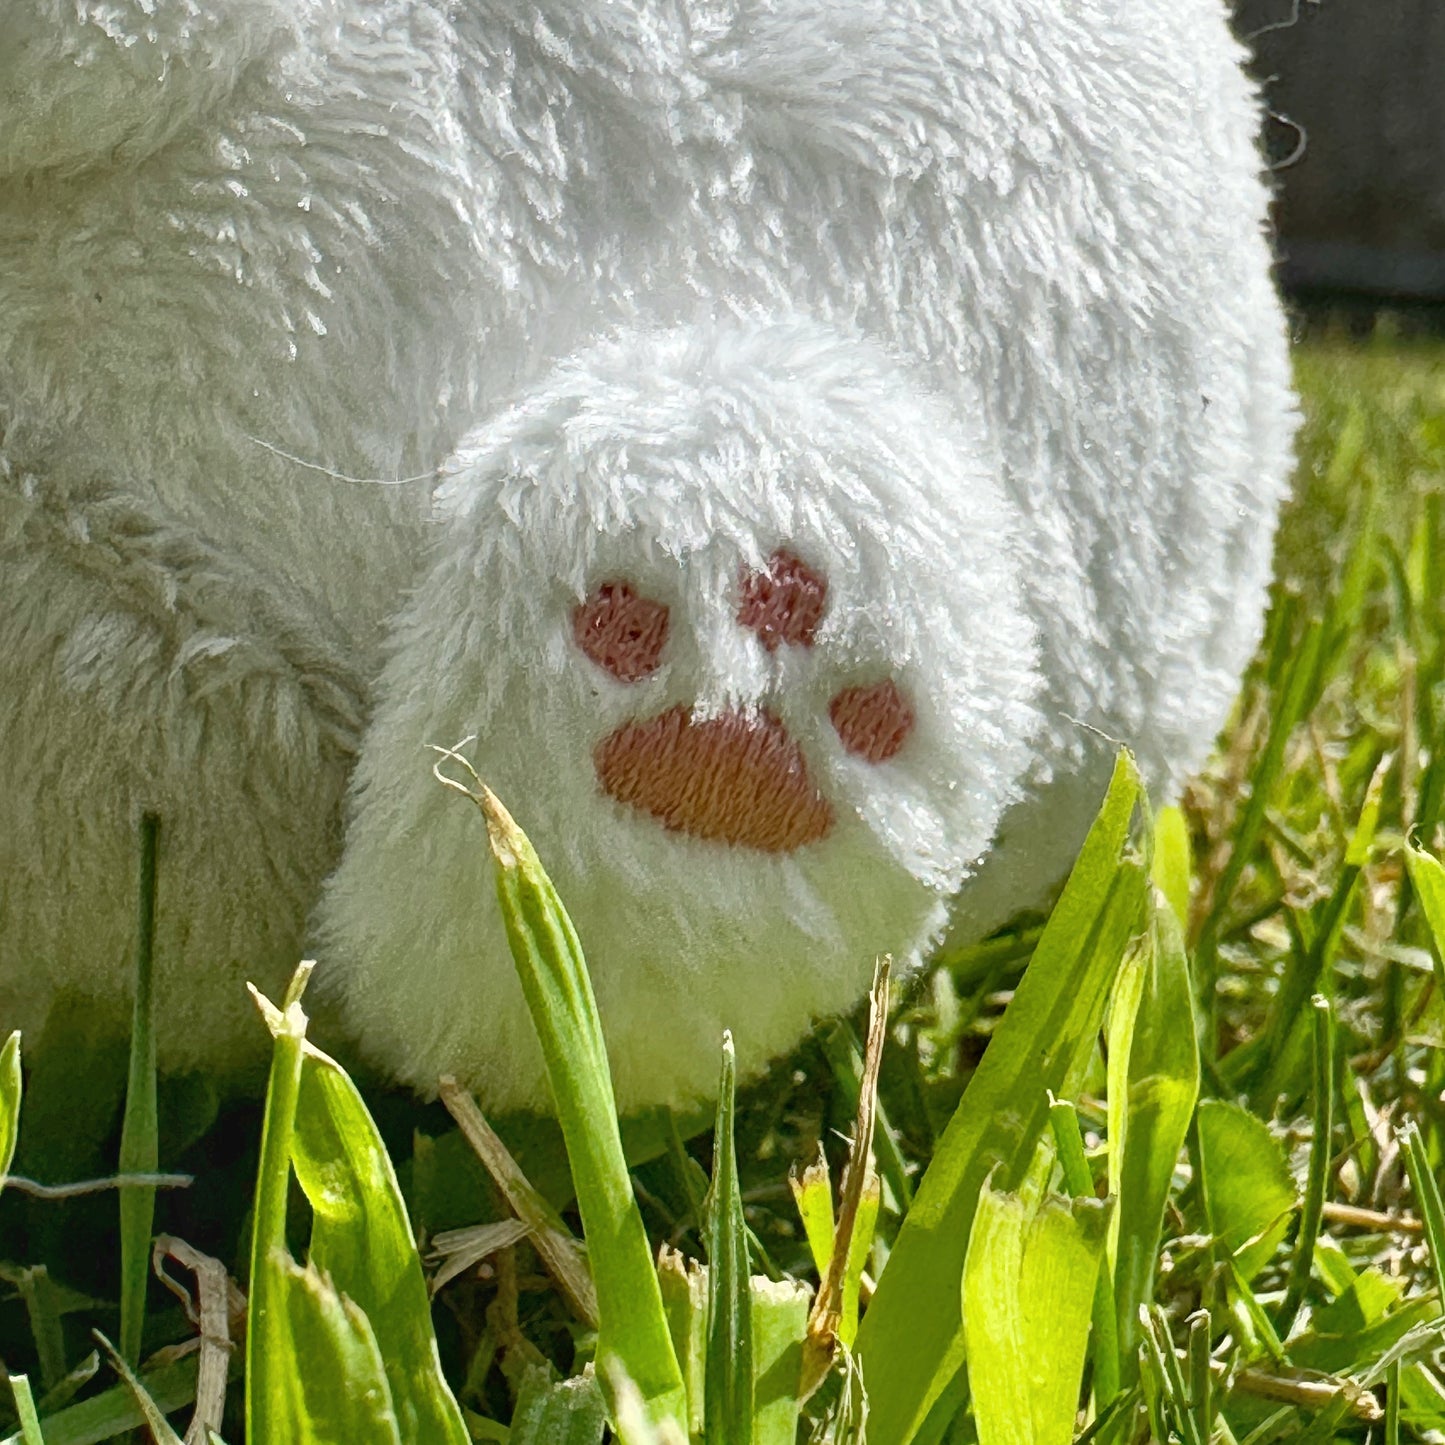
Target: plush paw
x,y
734,621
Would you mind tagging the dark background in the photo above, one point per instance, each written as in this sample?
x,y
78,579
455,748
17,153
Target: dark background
x,y
1360,86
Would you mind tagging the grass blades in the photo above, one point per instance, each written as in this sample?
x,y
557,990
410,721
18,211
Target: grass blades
x,y
1079,1181
361,1242
114,1411
341,1349
910,1343
25,1408
338,1378
564,1258
553,973
728,1369
1427,877
779,1323
1321,1149
1427,1199
1153,1086
154,1417
1294,668
1028,1294
12,1090
274,1396
558,1412
139,1146
1250,1193
857,1206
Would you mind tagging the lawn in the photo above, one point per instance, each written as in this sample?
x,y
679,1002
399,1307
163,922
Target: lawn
x,y
1258,1168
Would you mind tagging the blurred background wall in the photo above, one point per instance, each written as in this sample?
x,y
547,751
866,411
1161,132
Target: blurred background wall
x,y
1360,84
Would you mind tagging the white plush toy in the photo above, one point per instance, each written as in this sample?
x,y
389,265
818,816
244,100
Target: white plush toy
x,y
790,429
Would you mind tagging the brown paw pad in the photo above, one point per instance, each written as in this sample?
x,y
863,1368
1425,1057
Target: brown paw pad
x,y
785,603
873,722
739,778
622,632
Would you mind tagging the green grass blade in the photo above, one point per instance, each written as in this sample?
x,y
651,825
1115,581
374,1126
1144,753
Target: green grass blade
x,y
1427,1200
1153,1087
728,1369
812,1192
274,1397
1171,866
1427,877
11,1091
1201,1379
553,973
910,1343
154,1417
1392,1404
47,1329
780,1321
362,1240
865,1227
1028,1295
1170,1376
340,1381
1247,1180
1079,1179
1319,1167
25,1409
1295,665
558,1412
114,1411
139,1148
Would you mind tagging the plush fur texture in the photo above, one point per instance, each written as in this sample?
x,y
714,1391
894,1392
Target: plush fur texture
x,y
961,305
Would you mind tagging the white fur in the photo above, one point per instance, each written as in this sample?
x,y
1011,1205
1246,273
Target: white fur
x,y
965,301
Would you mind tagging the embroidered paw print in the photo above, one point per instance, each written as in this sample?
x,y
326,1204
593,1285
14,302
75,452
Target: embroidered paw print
x,y
739,778
624,634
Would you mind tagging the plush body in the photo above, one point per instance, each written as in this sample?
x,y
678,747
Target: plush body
x,y
822,423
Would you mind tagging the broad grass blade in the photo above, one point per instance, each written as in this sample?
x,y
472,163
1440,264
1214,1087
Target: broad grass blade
x,y
362,1239
140,1130
1171,866
1427,876
336,1366
780,1321
1028,1294
910,1343
11,1091
558,1412
554,980
1251,1192
1153,1087
728,1369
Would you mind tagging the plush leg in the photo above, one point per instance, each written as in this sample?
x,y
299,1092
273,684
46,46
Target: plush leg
x,y
142,671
